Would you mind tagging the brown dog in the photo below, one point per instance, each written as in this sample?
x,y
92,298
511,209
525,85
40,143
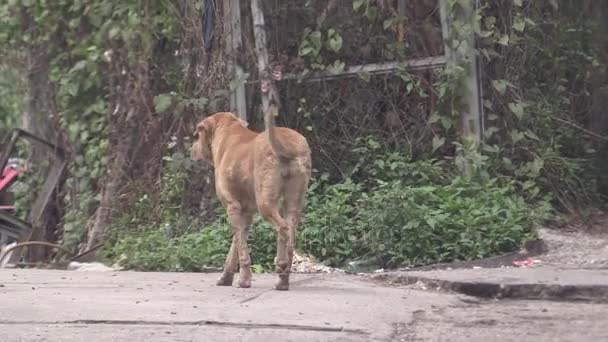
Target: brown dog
x,y
253,171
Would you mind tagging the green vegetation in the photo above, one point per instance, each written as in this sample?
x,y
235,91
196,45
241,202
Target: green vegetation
x,y
398,213
127,81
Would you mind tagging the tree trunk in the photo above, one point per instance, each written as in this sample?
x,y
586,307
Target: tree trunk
x,y
599,84
134,139
39,118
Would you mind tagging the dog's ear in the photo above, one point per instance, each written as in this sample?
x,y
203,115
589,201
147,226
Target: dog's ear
x,y
200,128
201,147
203,129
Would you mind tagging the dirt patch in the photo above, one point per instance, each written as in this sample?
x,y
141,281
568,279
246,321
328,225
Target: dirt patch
x,y
575,249
566,264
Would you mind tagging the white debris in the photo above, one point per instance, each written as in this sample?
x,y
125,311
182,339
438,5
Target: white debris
x,y
306,264
421,285
91,266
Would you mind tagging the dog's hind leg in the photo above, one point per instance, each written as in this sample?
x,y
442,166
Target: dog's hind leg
x,y
268,207
293,202
232,259
240,220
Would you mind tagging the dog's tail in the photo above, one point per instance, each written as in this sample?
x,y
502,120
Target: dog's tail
x,y
275,142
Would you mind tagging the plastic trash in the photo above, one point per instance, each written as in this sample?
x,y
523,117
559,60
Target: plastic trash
x,y
525,263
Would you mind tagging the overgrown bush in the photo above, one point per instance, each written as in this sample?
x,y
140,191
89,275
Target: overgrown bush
x,y
398,212
399,224
157,235
152,248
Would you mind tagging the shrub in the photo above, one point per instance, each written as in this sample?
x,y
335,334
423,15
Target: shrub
x,y
151,248
398,212
399,224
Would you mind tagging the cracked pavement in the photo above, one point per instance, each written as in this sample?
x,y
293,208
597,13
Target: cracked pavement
x,y
46,305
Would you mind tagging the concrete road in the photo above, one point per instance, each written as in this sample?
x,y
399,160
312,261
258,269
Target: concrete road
x,y
38,305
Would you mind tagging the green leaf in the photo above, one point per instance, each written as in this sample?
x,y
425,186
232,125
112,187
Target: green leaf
x,y
337,67
530,22
491,148
409,87
162,102
489,131
504,40
486,33
447,123
71,88
334,41
434,118
315,38
388,23
78,66
371,14
517,3
113,32
305,50
438,142
500,86
516,136
532,135
519,24
554,4
357,4
517,108
364,75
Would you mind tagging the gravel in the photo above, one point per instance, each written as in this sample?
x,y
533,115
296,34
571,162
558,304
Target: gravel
x,y
575,249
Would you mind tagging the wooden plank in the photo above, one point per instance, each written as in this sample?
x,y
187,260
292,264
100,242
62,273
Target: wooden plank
x,y
373,69
270,98
234,45
471,118
445,27
402,28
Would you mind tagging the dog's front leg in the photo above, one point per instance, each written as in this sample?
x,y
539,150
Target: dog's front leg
x,y
240,221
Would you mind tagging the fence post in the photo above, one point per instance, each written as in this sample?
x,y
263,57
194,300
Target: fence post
x,y
471,118
234,44
270,95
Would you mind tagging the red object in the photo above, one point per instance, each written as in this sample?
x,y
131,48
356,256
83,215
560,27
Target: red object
x,y
524,263
9,175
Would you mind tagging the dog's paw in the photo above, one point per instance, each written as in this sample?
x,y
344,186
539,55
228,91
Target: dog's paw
x,y
225,280
281,287
245,283
245,277
283,283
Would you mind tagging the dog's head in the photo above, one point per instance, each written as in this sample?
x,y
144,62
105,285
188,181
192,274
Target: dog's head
x,y
205,131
